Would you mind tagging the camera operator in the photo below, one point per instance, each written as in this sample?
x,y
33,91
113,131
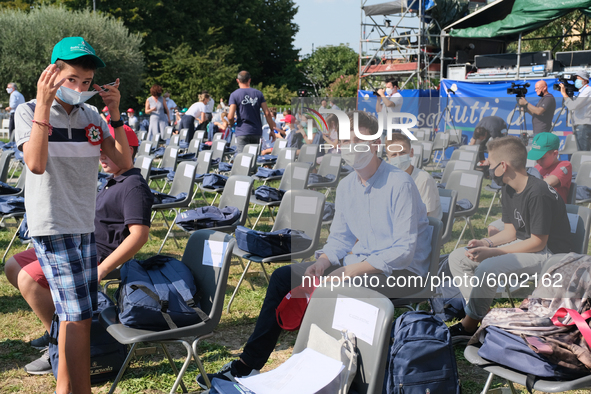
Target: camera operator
x,y
581,116
392,101
543,112
489,127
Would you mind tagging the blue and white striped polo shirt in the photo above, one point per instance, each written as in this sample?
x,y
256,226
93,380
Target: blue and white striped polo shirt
x,y
62,200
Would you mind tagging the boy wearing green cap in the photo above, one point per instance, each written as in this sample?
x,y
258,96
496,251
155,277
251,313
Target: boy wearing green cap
x,y
61,139
556,173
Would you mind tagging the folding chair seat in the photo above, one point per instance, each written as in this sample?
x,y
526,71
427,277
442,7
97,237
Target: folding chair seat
x,y
242,166
570,145
295,177
331,165
144,163
583,179
372,357
426,292
210,272
184,180
448,199
468,184
299,209
308,154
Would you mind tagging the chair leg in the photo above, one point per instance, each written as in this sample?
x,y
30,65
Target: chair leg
x,y
179,379
20,223
488,383
462,233
259,217
215,198
123,368
238,285
176,213
265,272
198,360
490,207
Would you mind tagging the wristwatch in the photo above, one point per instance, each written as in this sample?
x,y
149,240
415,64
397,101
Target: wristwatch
x,y
117,123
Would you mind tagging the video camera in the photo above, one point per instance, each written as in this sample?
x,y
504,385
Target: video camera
x,y
302,93
568,81
519,90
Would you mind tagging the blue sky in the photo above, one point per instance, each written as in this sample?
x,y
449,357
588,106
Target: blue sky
x,y
328,22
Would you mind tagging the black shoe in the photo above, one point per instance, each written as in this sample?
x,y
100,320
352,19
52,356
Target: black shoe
x,y
41,343
459,335
227,372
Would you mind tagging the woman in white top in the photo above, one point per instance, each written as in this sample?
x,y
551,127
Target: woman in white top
x,y
197,111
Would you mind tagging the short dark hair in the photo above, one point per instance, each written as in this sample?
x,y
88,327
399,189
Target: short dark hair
x,y
85,62
394,82
365,119
480,132
243,76
509,149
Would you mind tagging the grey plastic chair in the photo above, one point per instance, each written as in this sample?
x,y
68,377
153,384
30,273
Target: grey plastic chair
x,y
372,357
203,167
280,143
167,132
199,134
578,158
570,145
144,163
169,160
211,280
448,200
468,184
295,177
299,210
255,150
145,148
308,154
440,144
331,165
417,159
183,182
242,166
284,157
426,292
583,179
174,140
5,164
183,134
582,227
218,148
427,152
571,198
454,165
465,155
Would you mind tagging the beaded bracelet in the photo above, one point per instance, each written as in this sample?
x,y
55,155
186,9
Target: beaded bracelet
x,y
46,124
490,243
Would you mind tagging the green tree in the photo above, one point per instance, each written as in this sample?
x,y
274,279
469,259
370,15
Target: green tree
x,y
328,63
343,86
27,40
274,95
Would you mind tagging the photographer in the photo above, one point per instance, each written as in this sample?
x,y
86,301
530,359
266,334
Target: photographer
x,y
543,112
391,99
581,117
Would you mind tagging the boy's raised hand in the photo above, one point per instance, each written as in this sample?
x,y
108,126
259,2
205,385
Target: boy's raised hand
x,y
111,96
46,85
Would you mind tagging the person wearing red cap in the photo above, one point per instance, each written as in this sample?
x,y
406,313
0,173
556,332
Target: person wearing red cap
x,y
132,120
122,225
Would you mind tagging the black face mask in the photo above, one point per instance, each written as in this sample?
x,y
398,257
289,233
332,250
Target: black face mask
x,y
541,94
498,179
158,94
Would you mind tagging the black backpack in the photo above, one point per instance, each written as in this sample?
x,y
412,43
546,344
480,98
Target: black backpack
x,y
106,354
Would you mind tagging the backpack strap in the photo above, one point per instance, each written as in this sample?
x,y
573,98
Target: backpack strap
x,y
163,304
579,320
181,287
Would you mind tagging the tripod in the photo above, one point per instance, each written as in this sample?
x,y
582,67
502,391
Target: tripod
x,y
559,115
444,113
523,125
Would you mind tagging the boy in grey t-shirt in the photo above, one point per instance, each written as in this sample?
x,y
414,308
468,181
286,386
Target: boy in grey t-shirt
x,y
61,139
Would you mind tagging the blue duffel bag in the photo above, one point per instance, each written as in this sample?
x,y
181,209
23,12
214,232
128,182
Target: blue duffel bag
x,y
263,172
214,181
268,193
275,243
157,294
11,204
207,217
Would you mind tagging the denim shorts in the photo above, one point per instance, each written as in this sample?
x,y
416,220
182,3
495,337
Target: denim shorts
x,y
70,265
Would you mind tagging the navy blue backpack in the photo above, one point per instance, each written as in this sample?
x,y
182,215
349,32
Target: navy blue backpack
x,y
263,172
213,181
157,294
421,359
274,243
268,193
207,217
106,354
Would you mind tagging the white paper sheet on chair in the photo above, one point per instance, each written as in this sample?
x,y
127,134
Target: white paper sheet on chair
x,y
356,316
213,253
304,373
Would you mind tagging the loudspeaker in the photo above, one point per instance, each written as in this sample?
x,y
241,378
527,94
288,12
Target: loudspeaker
x,y
510,59
573,59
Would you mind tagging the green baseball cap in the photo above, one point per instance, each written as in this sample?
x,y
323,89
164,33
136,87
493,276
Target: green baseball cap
x,y
74,47
543,143
184,110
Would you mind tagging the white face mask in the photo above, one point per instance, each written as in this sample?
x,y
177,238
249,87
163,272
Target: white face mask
x,y
73,97
389,91
9,90
358,159
401,161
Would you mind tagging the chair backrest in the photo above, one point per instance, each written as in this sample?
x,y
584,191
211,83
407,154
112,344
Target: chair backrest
x,y
203,162
474,148
579,158
308,154
252,149
144,163
468,185
584,174
242,164
279,144
330,165
453,165
174,140
448,200
142,135
194,146
284,157
571,198
301,210
167,132
417,148
218,148
200,134
295,176
349,303
218,136
5,164
184,179
580,221
427,149
455,136
441,141
570,143
233,141
183,134
420,134
237,194
170,155
417,155
464,155
145,148
208,255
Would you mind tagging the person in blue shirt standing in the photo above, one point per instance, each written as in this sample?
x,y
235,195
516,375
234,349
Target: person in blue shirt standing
x,y
245,104
380,231
16,99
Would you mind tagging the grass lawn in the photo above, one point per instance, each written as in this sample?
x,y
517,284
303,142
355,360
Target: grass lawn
x,y
151,373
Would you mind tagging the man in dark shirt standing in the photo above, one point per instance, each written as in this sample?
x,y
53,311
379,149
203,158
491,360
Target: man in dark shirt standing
x,y
246,104
489,127
543,112
536,226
